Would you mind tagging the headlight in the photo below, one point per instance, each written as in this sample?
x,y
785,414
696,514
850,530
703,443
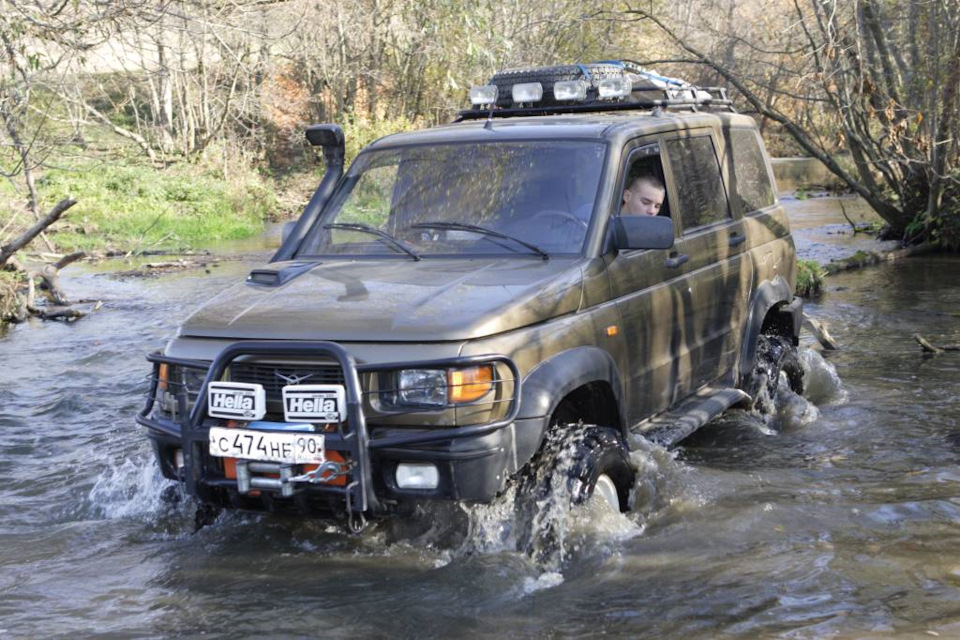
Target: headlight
x,y
437,387
422,386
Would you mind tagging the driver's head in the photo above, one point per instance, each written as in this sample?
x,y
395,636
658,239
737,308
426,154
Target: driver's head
x,y
643,196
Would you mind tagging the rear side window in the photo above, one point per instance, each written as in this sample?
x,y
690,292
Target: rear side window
x,y
752,181
696,173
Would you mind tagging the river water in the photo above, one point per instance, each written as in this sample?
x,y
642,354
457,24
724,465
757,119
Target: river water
x,y
838,517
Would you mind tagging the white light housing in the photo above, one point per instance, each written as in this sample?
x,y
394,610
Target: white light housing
x,y
570,90
614,87
528,92
417,475
178,458
487,94
422,386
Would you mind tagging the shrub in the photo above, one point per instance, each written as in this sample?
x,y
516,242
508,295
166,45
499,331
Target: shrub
x,y
810,277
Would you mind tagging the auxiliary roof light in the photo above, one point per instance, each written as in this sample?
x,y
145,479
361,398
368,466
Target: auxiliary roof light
x,y
619,87
570,90
486,94
528,92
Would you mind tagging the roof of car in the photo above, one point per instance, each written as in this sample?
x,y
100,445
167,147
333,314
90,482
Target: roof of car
x,y
589,126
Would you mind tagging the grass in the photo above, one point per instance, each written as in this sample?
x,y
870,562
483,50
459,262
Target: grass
x,y
810,277
126,203
134,205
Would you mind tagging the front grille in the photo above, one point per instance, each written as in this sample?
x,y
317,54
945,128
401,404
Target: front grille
x,y
269,375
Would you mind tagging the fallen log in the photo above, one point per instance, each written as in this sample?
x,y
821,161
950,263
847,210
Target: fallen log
x,y
820,332
929,348
7,251
18,297
57,313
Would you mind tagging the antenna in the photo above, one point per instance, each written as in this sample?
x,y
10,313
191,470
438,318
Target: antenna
x,y
488,125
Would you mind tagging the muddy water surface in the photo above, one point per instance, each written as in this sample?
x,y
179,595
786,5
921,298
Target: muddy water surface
x,y
839,517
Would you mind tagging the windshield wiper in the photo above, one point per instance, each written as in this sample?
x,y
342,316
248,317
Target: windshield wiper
x,y
383,235
463,226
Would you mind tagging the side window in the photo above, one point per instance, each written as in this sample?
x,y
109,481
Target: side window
x,y
752,180
643,191
696,174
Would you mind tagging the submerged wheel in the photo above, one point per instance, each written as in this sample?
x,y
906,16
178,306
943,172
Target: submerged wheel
x,y
775,354
578,464
600,469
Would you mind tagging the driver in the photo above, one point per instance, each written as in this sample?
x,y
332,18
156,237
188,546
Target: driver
x,y
644,196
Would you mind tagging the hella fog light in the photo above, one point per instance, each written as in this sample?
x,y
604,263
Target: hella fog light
x,y
614,87
570,90
422,386
528,92
486,94
417,475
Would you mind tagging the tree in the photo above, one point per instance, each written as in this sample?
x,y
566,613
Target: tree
x,y
882,75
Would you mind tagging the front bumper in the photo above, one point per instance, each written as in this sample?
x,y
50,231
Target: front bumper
x,y
472,461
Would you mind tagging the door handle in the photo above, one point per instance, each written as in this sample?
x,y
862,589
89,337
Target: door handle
x,y
675,260
737,239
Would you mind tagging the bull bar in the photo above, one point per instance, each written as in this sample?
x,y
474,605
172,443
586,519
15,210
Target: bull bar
x,y
351,436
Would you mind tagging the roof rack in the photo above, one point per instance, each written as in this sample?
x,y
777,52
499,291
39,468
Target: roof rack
x,y
613,85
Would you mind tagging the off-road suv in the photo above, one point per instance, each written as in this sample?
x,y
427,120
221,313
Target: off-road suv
x,y
464,293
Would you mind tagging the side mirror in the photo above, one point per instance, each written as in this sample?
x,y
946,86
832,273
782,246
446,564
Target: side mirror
x,y
643,232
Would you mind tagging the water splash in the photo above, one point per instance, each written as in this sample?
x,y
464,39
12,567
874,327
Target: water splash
x,y
661,482
821,383
535,515
132,488
546,580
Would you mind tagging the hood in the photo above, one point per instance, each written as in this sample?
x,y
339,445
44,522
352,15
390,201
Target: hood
x,y
393,300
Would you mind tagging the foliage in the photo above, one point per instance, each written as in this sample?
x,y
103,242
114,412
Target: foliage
x,y
135,205
360,131
10,282
810,277
878,79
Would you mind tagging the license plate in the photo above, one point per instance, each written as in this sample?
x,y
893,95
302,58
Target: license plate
x,y
267,446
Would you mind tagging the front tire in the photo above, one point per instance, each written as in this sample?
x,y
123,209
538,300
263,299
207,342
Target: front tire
x,y
600,469
576,465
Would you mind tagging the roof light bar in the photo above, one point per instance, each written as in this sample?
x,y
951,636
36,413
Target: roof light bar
x,y
570,90
528,92
486,94
610,88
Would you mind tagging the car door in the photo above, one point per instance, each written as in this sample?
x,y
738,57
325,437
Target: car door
x,y
645,290
716,277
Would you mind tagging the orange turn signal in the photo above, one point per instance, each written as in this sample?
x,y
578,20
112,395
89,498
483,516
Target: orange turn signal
x,y
467,385
164,376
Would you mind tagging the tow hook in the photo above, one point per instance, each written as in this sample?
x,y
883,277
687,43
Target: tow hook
x,y
356,522
326,472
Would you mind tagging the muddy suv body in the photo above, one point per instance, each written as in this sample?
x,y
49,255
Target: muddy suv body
x,y
465,291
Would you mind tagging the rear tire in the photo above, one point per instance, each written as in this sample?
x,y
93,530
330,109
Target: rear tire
x,y
775,354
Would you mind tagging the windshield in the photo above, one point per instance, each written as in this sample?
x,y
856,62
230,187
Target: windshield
x,y
533,198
